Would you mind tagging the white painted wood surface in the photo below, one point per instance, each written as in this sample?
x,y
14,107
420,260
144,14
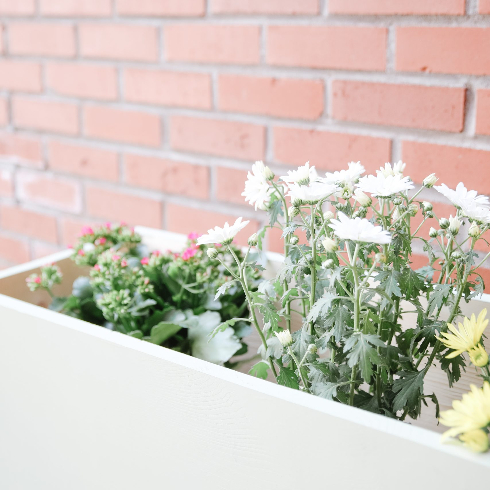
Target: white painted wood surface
x,y
84,408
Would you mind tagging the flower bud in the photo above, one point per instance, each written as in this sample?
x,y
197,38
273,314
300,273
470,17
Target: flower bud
x,y
329,245
427,206
396,214
454,225
293,240
285,338
474,230
212,253
267,173
432,232
429,214
456,255
443,223
312,348
381,258
362,198
413,209
296,202
478,356
293,212
430,180
328,215
476,440
397,201
327,264
253,240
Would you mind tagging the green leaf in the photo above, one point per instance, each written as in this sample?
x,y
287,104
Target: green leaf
x,y
453,368
338,320
326,390
137,334
439,296
260,370
82,288
163,331
287,377
222,290
275,209
411,282
361,352
390,281
321,306
409,387
223,326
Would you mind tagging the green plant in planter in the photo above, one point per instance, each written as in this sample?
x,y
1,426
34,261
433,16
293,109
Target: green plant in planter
x,y
352,282
163,298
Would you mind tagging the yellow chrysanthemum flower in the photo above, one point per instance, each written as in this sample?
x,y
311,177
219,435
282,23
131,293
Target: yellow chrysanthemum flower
x,y
476,440
470,413
467,336
478,356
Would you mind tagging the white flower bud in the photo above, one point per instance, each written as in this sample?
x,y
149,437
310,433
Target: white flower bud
x,y
88,247
432,232
397,201
443,223
312,349
285,338
396,215
328,215
293,240
327,264
253,240
454,225
297,202
293,212
268,173
413,209
329,245
381,258
362,198
427,206
212,253
430,180
474,230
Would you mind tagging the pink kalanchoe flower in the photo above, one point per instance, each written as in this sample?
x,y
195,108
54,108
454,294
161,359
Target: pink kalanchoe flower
x,y
188,253
86,230
193,236
102,240
108,225
124,263
70,246
97,267
115,257
37,280
156,253
145,261
81,252
123,223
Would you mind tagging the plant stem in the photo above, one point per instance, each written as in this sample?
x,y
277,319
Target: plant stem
x,y
298,365
313,263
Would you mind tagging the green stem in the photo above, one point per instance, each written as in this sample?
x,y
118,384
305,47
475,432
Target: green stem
x,y
298,365
313,264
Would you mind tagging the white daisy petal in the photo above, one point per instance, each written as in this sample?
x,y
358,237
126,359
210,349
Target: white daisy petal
x,y
222,235
359,230
384,186
257,189
303,176
349,176
311,193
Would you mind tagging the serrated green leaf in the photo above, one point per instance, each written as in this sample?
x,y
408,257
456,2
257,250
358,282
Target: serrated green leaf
x,y
389,281
409,387
361,352
163,331
287,377
260,370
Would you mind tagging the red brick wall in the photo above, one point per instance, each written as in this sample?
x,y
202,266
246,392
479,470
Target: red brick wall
x,y
151,111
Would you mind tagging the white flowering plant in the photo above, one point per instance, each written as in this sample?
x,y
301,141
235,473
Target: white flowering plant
x,y
164,298
352,282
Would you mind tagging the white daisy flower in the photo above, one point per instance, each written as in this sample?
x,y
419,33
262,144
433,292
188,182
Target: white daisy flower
x,y
223,235
393,169
382,186
311,193
462,197
257,189
349,176
359,230
303,176
481,214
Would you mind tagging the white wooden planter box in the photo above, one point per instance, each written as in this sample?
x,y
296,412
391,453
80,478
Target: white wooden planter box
x,y
85,408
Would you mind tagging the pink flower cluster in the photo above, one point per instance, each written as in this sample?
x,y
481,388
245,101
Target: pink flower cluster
x,y
189,252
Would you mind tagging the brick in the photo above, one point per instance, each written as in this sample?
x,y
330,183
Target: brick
x,y
81,80
131,127
6,183
452,164
182,219
29,223
412,106
119,206
75,8
483,112
199,43
119,42
397,7
168,176
281,97
484,8
333,47
230,183
217,137
83,160
270,7
276,244
46,39
2,46
327,150
441,210
20,149
45,115
52,192
4,112
443,49
157,8
40,250
71,229
16,251
17,7
21,76
168,88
